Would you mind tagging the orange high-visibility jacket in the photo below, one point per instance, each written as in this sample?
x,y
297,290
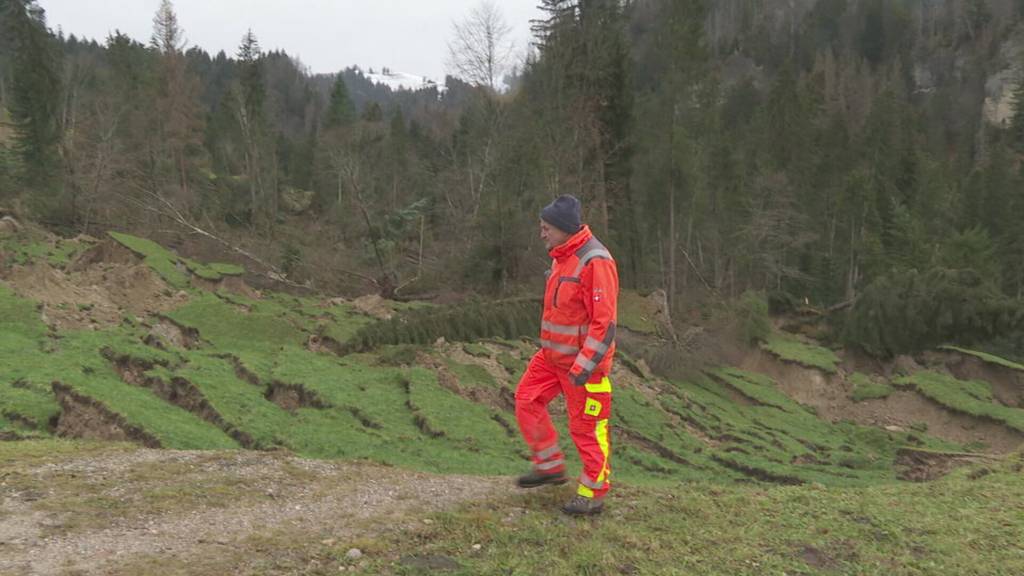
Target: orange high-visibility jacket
x,y
578,326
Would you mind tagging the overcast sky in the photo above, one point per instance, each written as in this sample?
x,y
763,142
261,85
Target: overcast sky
x,y
326,35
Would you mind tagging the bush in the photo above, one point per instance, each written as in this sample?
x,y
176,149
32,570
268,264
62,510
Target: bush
x,y
752,312
291,258
909,311
780,302
510,319
400,355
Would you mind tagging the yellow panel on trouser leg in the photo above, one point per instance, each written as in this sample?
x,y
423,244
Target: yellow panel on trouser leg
x,y
601,432
605,385
585,492
592,407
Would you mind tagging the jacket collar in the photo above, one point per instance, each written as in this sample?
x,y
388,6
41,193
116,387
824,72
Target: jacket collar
x,y
570,246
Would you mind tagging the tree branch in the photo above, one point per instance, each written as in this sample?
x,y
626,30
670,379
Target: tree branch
x,y
165,208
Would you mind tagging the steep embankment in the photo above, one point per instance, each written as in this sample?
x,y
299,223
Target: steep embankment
x,y
213,364
958,395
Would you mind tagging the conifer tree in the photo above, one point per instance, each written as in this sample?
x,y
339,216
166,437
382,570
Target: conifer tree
x,y
373,113
340,110
35,93
584,74
251,74
250,95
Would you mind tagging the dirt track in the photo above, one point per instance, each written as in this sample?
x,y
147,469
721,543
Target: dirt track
x,y
132,511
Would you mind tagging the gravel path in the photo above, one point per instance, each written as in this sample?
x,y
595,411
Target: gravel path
x,y
92,515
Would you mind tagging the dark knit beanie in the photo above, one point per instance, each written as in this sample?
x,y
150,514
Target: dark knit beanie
x,y
563,213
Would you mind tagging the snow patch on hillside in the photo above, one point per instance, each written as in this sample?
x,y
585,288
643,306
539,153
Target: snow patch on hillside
x,y
401,80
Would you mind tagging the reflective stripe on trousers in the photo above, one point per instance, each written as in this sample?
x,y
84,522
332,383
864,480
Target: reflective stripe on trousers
x,y
587,486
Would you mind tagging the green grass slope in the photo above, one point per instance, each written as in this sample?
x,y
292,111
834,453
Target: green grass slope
x,y
790,349
969,523
172,268
382,406
971,397
31,360
253,377
31,245
986,357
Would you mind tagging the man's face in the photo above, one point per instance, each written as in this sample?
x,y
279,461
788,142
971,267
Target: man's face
x,y
552,236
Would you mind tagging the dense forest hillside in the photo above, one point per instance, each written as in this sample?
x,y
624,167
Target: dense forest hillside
x,y
812,151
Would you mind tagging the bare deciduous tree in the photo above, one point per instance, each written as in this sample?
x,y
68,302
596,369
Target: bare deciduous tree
x,y
480,52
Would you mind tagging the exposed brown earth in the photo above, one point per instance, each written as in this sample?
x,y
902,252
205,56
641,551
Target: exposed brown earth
x,y
829,395
232,284
1007,383
924,466
291,397
500,397
103,285
85,418
96,297
168,332
375,306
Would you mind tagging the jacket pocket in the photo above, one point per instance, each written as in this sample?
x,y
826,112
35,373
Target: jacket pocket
x,y
565,291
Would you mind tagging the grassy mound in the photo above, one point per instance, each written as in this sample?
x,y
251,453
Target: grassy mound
x,y
986,357
773,438
33,245
172,268
866,388
25,401
790,349
161,260
968,396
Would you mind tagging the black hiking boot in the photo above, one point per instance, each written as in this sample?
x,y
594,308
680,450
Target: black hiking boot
x,y
583,506
535,479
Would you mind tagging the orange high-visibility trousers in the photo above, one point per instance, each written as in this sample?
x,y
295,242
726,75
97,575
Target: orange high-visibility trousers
x,y
588,407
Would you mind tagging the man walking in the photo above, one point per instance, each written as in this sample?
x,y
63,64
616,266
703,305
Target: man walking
x,y
577,346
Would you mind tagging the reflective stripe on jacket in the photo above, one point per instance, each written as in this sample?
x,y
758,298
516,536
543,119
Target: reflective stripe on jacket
x,y
578,326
